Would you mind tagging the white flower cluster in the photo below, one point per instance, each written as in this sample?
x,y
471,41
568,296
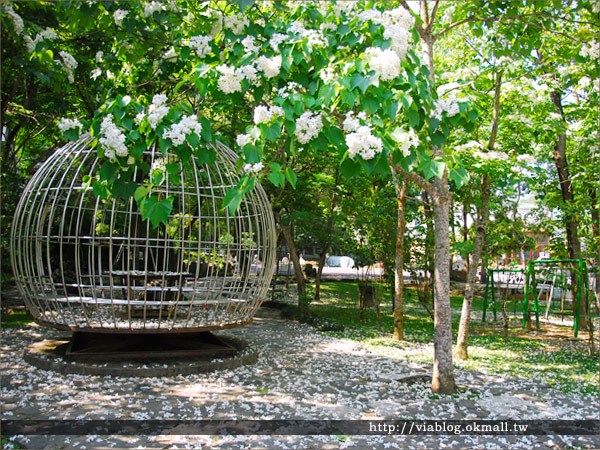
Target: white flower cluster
x,y
269,66
308,126
253,169
151,8
288,89
244,139
526,159
250,73
99,56
16,20
327,74
68,124
179,131
407,140
264,113
200,44
119,15
469,146
396,24
112,140
156,111
491,156
249,44
277,39
236,23
159,164
584,82
449,105
592,51
384,62
230,80
47,34
351,122
363,143
69,63
314,38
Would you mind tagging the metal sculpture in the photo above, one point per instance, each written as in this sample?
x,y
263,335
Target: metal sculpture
x,y
87,264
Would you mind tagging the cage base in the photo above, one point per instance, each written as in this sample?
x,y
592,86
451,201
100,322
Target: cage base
x,y
106,347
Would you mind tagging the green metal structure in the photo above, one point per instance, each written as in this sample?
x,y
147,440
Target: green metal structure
x,y
580,290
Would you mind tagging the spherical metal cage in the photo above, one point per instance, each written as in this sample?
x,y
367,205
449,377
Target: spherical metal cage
x,y
87,264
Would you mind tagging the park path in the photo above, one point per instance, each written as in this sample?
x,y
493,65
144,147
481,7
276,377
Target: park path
x,y
300,374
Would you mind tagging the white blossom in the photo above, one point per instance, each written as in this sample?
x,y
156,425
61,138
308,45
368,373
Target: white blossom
x,y
151,8
406,141
592,51
170,55
469,146
327,74
584,82
253,169
526,159
99,56
351,123
230,80
250,73
200,44
385,63
157,110
287,89
119,15
16,20
159,164
112,139
308,126
363,143
277,39
178,131
491,156
264,113
236,23
46,34
96,73
68,124
249,45
244,139
269,66
69,63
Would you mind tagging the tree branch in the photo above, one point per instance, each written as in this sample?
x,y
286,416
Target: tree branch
x,y
481,19
416,179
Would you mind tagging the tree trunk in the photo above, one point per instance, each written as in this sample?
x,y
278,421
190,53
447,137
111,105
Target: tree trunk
x,y
399,263
465,318
562,167
300,280
325,248
443,375
595,206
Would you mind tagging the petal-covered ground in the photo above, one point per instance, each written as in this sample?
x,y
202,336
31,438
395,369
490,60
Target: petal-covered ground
x,y
300,374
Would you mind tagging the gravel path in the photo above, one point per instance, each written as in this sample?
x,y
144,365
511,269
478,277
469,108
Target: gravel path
x,y
300,374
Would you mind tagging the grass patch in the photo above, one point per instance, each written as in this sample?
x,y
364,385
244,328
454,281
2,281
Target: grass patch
x,y
15,318
551,356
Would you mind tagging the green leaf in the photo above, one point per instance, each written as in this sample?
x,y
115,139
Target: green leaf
x,y
193,140
291,176
391,109
349,98
100,190
273,132
71,134
371,104
233,199
360,81
413,117
349,168
459,175
158,177
124,189
434,168
155,210
108,171
173,169
46,56
140,193
327,92
438,139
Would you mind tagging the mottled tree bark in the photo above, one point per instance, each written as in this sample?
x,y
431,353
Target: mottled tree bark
x,y
298,273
